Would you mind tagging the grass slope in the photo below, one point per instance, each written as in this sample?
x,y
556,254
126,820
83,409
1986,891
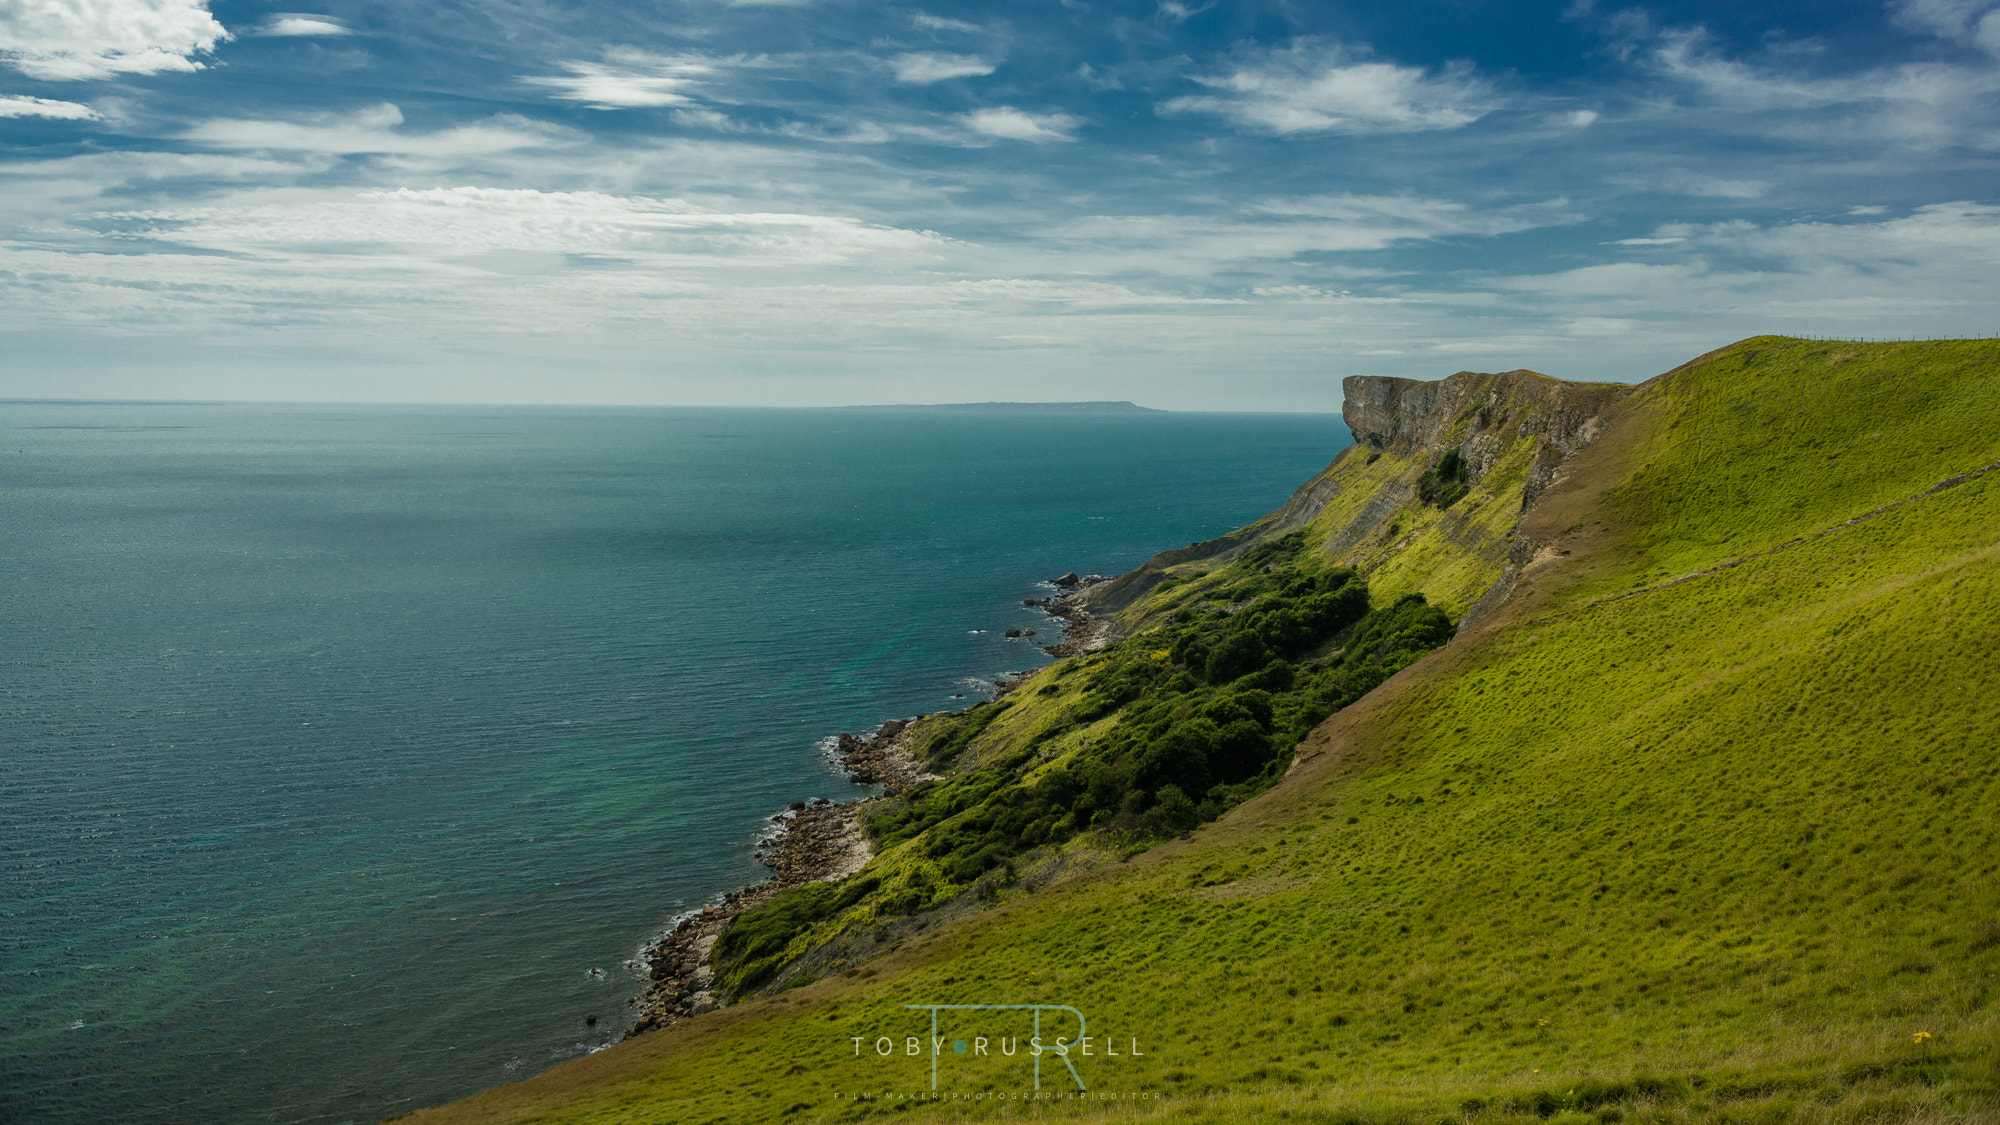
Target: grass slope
x,y
1630,849
1099,756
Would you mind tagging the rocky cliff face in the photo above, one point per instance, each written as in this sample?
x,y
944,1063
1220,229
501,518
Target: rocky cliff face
x,y
1514,431
1472,410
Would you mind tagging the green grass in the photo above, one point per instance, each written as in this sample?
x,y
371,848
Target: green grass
x,y
1715,850
1159,734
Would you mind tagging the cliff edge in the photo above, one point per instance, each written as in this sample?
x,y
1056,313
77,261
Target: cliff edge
x,y
1429,495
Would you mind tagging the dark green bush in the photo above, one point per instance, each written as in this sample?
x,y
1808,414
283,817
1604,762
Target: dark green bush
x,y
1444,483
1238,654
1208,725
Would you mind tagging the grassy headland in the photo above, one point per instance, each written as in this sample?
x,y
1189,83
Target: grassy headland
x,y
1698,820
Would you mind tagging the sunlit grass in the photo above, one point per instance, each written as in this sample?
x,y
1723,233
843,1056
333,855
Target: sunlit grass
x,y
1728,849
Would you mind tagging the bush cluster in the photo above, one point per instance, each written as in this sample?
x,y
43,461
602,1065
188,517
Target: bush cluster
x,y
753,946
1209,710
1444,483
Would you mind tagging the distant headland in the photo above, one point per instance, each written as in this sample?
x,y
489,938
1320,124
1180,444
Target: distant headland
x,y
1022,407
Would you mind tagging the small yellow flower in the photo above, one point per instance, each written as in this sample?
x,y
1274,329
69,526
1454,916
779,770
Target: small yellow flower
x,y
1541,1023
1920,1037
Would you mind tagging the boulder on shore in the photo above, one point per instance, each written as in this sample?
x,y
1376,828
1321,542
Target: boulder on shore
x,y
1066,580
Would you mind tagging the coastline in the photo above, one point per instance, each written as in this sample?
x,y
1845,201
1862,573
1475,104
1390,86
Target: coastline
x,y
824,841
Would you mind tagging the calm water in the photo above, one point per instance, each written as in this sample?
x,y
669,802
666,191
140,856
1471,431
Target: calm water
x,y
338,745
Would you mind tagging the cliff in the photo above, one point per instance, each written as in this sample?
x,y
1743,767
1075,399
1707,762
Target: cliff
x,y
1511,432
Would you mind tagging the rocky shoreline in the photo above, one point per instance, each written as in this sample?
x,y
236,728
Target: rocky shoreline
x,y
1083,631
818,841
822,840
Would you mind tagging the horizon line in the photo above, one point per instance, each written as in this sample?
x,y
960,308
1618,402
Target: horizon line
x,y
997,406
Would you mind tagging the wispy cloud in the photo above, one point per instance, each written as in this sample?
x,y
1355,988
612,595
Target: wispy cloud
x,y
1917,272
375,131
15,105
1314,86
1680,181
1008,123
74,40
1180,13
299,24
938,23
444,223
1975,22
1772,92
629,78
921,67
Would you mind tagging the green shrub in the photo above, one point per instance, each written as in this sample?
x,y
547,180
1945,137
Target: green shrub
x,y
1444,483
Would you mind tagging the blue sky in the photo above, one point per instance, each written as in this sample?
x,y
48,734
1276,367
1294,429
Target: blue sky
x,y
1201,206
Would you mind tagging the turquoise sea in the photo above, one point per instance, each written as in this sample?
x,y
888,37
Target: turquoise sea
x,y
338,745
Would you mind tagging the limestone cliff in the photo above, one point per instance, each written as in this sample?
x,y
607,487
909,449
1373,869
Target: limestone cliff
x,y
1513,433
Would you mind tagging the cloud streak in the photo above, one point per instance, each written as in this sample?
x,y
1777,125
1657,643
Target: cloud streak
x,y
924,67
302,25
375,130
1009,124
629,78
14,105
1315,87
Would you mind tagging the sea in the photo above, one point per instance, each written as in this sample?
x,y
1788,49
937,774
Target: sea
x,y
350,754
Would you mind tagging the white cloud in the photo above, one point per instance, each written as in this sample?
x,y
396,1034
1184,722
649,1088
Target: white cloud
x,y
1683,182
1930,271
633,79
71,40
1316,87
1177,12
1098,79
925,67
1976,22
13,105
302,24
938,23
1393,218
1583,118
1012,124
1961,233
374,130
1914,103
443,223
1261,240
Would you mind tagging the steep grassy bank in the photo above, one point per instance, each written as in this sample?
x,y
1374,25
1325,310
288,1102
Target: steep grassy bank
x,y
1699,824
1099,756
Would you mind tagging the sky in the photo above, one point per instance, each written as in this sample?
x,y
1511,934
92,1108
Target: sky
x,y
1212,206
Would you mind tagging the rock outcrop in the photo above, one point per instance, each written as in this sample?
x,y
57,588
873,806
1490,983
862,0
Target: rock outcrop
x,y
1513,431
1467,409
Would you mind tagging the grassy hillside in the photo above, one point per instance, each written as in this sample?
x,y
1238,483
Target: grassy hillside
x,y
1702,824
1099,757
